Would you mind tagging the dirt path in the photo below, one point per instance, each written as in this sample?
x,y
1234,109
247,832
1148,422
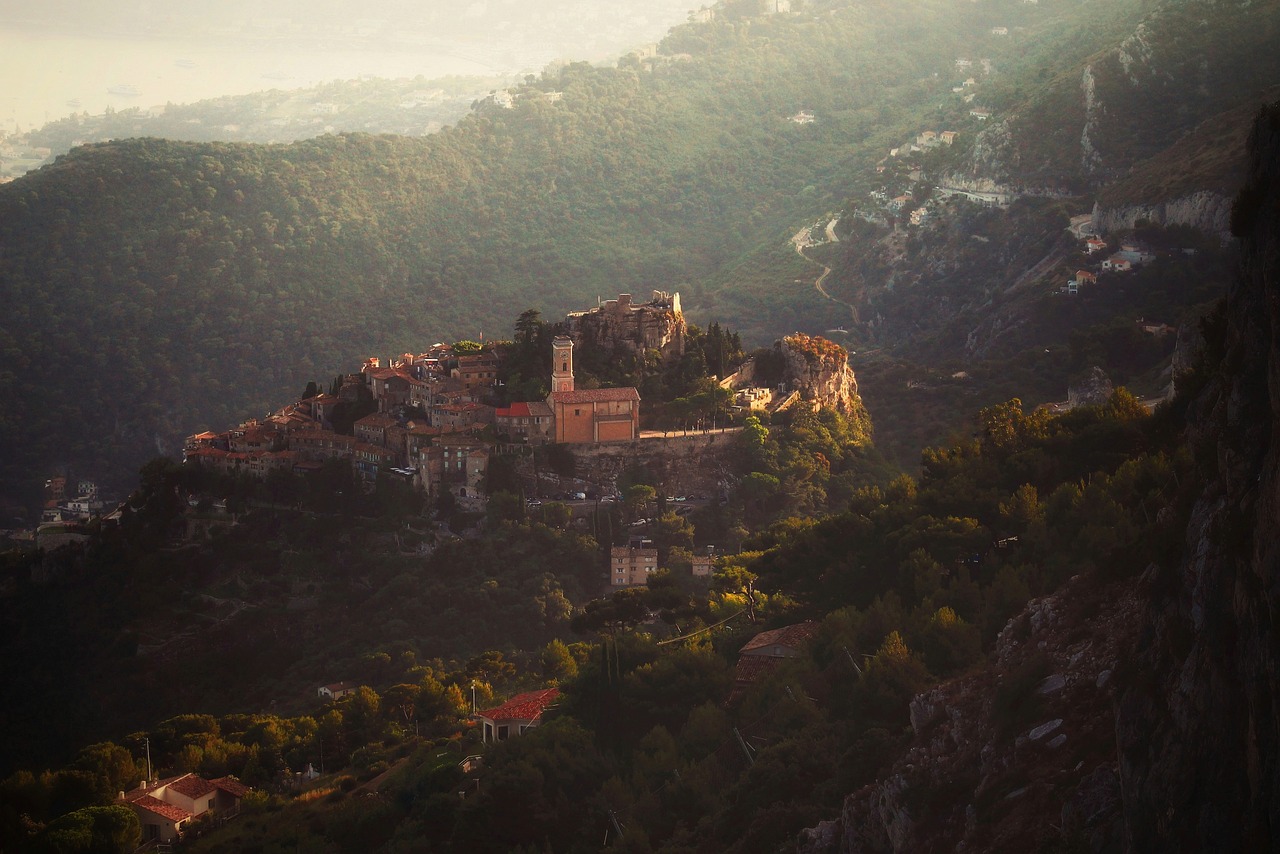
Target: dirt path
x,y
802,240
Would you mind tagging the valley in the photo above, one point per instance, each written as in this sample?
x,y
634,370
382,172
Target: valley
x,y
905,486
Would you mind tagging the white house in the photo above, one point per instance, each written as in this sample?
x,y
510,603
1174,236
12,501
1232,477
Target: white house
x,y
514,717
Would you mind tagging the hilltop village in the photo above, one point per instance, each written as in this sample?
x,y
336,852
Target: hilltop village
x,y
435,421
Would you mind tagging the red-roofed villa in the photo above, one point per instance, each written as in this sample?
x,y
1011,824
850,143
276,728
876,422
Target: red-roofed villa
x,y
520,713
165,807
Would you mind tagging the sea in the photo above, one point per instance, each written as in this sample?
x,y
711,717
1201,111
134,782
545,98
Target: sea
x,y
45,77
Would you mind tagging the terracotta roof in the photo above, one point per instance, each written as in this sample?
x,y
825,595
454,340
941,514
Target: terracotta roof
x,y
528,706
231,786
377,419
159,807
792,636
752,668
595,395
205,435
192,786
515,410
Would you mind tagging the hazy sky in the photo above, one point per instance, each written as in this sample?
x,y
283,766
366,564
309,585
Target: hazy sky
x,y
62,56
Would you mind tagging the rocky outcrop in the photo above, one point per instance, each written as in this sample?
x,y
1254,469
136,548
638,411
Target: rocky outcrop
x,y
1199,734
1206,210
801,369
1155,721
623,327
1094,390
819,370
1003,758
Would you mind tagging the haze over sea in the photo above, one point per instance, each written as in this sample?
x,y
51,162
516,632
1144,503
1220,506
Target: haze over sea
x,y
50,70
46,72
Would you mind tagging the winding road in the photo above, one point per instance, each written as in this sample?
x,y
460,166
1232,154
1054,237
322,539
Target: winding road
x,y
803,239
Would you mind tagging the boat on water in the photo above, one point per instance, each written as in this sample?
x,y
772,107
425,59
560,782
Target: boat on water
x,y
127,89
74,103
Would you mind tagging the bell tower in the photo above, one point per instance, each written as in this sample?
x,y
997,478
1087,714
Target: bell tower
x,y
561,364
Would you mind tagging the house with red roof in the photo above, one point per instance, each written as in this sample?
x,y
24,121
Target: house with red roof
x,y
765,652
166,807
514,717
530,421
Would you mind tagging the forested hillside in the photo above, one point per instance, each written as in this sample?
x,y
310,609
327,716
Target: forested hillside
x,y
156,288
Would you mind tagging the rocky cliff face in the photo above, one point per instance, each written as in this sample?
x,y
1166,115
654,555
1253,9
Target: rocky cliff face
x,y
1199,737
1154,714
1015,758
624,327
819,370
1206,210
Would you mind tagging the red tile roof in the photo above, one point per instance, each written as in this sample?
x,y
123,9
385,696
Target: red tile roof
x,y
231,786
595,395
192,786
159,807
515,410
791,636
753,668
528,706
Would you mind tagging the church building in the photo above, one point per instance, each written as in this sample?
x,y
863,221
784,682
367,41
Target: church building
x,y
589,416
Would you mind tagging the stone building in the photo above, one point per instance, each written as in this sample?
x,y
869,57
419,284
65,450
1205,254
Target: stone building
x,y
589,416
623,327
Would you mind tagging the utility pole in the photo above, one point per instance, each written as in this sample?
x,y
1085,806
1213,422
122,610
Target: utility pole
x,y
147,741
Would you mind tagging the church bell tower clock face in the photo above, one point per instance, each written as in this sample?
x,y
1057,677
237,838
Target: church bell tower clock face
x,y
562,364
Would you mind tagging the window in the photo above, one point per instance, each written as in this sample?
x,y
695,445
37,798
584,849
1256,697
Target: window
x,y
503,732
564,367
211,802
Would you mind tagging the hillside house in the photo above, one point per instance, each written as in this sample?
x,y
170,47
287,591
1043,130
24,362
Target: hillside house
x,y
702,566
766,651
980,113
389,386
336,690
521,713
166,807
947,137
1117,264
1094,245
372,429
526,422
464,461
478,370
999,31
1084,277
369,459
632,564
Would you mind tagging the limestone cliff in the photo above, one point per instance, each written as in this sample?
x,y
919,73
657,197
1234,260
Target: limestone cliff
x,y
624,327
1199,737
1206,210
819,371
983,774
1155,716
800,368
